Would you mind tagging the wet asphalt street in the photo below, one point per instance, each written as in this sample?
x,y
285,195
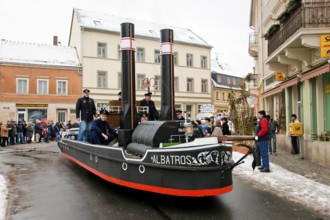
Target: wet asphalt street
x,y
44,185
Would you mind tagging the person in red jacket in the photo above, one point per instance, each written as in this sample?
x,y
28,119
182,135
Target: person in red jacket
x,y
262,139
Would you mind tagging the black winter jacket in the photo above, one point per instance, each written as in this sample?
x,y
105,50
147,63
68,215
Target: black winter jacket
x,y
85,109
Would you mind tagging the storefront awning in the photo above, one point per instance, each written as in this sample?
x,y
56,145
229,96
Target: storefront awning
x,y
280,88
316,72
271,92
294,81
291,82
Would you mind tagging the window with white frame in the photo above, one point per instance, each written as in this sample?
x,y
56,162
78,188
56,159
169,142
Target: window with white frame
x,y
234,81
219,79
100,105
189,59
176,58
157,56
119,80
22,86
101,49
176,84
188,111
62,87
102,79
140,79
140,55
203,61
217,97
204,85
157,83
190,84
61,115
223,96
42,87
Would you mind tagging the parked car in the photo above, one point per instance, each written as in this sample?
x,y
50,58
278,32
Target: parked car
x,y
71,133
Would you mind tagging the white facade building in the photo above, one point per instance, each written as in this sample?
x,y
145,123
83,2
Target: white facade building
x,y
97,36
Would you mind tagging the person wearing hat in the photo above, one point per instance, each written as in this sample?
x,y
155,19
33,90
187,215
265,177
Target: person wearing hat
x,y
262,140
179,115
101,132
225,126
85,111
153,113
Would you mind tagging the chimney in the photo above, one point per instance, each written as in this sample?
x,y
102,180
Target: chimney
x,y
167,75
55,41
128,115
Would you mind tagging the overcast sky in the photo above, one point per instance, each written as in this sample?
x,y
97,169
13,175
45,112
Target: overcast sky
x,y
223,24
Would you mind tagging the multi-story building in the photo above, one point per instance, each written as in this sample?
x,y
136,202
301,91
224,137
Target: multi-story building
x,y
97,37
294,74
38,81
224,82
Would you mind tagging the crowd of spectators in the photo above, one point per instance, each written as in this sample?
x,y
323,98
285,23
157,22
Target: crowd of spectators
x,y
22,132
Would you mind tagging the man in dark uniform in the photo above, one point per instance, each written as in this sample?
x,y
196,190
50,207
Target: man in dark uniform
x,y
179,115
153,113
85,112
101,132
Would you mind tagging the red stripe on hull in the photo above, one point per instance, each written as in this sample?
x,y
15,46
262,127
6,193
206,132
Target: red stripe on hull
x,y
154,189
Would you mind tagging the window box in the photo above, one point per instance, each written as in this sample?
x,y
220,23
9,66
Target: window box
x,y
271,31
293,5
283,17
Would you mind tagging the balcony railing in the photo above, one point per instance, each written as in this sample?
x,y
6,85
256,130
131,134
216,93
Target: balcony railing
x,y
309,15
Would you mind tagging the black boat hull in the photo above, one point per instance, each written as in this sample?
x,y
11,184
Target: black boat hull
x,y
200,170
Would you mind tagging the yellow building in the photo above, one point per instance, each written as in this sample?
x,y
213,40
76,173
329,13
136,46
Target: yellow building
x,y
224,81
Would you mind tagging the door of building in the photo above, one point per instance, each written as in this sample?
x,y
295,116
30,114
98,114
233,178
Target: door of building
x,y
21,115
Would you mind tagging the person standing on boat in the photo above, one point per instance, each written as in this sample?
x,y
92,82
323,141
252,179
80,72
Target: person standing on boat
x,y
153,113
179,115
262,140
101,132
85,111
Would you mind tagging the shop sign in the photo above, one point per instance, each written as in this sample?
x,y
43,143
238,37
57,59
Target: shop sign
x,y
279,76
27,105
325,46
207,108
327,88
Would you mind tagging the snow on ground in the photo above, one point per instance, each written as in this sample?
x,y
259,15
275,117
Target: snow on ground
x,y
286,184
3,197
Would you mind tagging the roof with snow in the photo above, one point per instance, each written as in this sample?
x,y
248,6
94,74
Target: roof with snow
x,y
38,54
106,22
217,67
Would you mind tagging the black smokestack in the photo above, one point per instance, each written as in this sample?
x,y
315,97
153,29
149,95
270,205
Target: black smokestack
x,y
167,71
128,115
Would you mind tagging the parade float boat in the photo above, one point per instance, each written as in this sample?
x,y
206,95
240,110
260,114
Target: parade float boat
x,y
167,156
